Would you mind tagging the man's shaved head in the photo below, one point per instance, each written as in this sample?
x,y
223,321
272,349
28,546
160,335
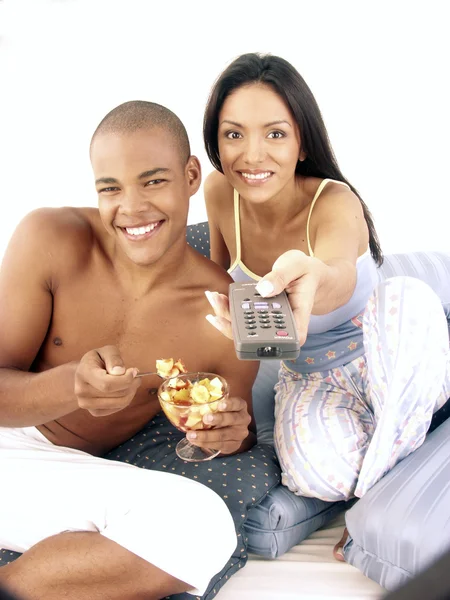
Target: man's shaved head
x,y
138,114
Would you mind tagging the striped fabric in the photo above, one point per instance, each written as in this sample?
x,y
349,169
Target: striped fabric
x,y
402,524
338,432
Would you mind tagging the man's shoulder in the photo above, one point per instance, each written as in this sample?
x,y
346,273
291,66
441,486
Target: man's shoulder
x,y
208,274
62,221
66,233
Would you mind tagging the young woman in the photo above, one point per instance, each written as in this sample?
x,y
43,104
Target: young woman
x,y
374,364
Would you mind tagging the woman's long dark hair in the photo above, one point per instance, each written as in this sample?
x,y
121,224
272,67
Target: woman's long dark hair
x,y
287,82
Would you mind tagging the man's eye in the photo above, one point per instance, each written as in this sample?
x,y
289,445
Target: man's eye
x,y
276,135
233,135
155,181
108,189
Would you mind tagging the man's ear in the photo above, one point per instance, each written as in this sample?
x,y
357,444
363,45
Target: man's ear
x,y
193,172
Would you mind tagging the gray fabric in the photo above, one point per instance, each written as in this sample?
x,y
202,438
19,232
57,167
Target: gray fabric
x,y
282,520
402,524
431,267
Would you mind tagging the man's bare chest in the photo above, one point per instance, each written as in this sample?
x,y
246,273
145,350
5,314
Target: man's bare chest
x,y
143,329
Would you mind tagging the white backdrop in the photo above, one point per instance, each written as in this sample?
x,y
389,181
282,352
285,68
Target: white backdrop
x,y
379,71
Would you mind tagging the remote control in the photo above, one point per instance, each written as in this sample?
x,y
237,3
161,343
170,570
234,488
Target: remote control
x,y
263,328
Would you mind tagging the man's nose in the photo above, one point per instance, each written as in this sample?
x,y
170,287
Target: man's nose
x,y
134,201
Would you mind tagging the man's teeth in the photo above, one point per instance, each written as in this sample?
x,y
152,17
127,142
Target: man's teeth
x,y
140,230
256,175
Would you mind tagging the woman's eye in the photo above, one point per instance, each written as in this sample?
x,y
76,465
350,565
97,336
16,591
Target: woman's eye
x,y
276,135
233,135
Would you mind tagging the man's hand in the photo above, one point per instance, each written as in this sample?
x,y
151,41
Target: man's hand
x,y
230,427
103,385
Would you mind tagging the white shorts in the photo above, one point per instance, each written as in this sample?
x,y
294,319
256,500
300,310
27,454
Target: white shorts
x,y
174,523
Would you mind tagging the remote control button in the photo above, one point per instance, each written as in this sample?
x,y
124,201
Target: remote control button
x,y
261,305
280,326
278,321
276,312
252,333
249,312
246,306
276,305
264,320
262,312
257,294
247,300
282,333
250,321
251,327
266,326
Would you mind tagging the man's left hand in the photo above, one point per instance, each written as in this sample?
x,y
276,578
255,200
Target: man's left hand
x,y
230,427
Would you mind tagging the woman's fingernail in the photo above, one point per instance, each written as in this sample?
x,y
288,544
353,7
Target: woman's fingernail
x,y
208,418
191,435
213,320
264,287
210,297
222,406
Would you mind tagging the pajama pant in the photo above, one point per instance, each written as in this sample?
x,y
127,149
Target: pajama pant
x,y
340,431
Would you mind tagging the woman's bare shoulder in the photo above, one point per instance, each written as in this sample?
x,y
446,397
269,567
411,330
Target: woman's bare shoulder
x,y
217,188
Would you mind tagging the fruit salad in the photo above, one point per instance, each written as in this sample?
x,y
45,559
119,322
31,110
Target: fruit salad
x,y
187,398
167,367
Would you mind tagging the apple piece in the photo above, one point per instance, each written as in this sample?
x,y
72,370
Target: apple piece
x,y
181,366
205,409
164,366
166,396
193,420
213,406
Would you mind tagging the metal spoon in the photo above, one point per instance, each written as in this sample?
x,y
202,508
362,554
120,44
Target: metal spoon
x,y
150,373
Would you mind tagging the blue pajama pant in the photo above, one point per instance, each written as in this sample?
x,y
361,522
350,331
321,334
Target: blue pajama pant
x,y
338,432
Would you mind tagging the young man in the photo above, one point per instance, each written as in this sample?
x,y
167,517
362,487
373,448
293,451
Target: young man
x,y
87,298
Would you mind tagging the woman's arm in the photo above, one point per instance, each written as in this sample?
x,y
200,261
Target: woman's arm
x,y
214,201
321,283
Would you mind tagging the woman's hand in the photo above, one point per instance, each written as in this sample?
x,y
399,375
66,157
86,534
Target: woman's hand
x,y
293,271
300,276
221,319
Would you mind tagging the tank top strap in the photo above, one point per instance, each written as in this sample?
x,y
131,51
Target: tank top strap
x,y
316,196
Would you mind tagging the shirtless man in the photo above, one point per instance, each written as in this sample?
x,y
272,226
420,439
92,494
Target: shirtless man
x,y
87,298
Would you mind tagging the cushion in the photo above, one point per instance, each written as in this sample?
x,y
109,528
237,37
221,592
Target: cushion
x,y
402,524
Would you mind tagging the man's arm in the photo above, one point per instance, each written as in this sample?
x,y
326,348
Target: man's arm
x,y
25,315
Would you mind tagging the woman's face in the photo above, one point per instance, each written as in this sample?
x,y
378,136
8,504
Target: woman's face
x,y
259,142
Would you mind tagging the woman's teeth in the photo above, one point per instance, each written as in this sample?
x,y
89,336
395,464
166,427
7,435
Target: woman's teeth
x,y
256,175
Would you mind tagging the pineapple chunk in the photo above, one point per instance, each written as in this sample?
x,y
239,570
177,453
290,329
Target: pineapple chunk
x,y
182,394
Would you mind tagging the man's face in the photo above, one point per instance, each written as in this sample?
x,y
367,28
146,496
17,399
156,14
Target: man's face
x,y
143,187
